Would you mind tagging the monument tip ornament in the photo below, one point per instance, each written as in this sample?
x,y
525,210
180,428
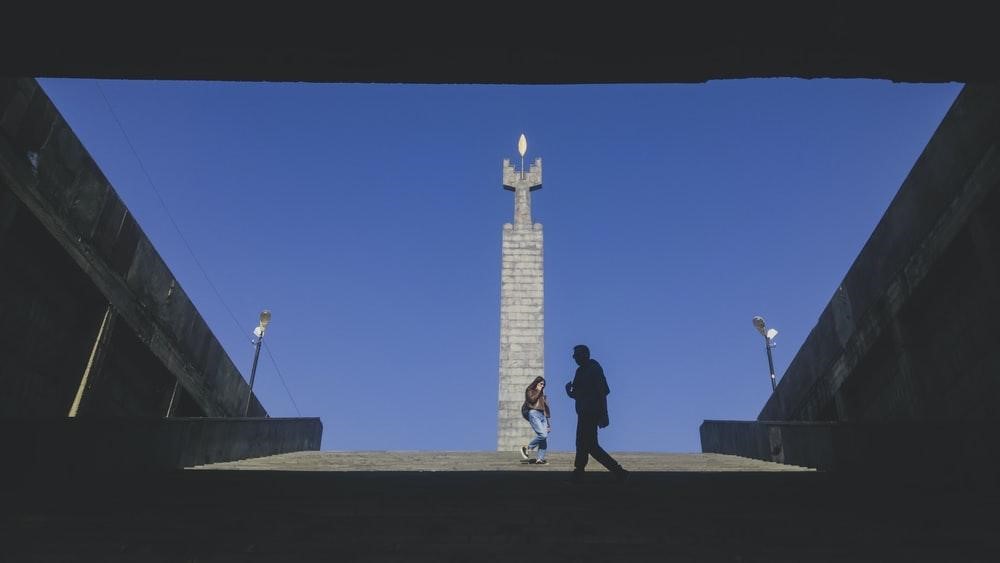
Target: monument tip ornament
x,y
522,318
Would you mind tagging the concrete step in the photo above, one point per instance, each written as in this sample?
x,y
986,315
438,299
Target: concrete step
x,y
456,514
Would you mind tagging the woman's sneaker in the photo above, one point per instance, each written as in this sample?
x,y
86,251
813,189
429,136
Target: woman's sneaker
x,y
541,462
524,452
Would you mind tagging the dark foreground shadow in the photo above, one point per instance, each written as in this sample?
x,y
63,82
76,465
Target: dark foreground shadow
x,y
491,516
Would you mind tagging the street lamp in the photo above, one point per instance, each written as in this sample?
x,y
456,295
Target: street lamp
x,y
264,320
768,334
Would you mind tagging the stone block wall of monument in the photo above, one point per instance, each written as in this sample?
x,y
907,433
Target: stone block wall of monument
x,y
911,331
83,291
522,324
522,309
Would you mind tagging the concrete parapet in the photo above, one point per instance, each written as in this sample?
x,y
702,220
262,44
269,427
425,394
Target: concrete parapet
x,y
48,445
942,449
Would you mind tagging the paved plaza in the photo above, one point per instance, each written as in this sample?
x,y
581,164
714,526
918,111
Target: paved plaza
x,y
495,461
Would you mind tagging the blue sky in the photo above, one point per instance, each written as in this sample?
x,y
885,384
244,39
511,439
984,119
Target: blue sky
x,y
368,219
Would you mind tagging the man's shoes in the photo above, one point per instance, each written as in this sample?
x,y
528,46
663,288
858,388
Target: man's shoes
x,y
621,476
524,452
541,462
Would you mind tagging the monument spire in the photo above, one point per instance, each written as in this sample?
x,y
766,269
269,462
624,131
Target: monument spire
x,y
522,183
522,320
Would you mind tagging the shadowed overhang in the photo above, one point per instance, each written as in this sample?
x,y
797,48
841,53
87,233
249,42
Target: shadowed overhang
x,y
508,44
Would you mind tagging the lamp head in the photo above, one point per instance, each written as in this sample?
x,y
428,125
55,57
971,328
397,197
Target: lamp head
x,y
265,318
771,333
758,323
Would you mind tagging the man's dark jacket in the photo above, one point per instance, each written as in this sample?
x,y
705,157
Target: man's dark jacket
x,y
590,389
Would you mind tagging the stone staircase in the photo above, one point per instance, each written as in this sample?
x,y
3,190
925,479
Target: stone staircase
x,y
488,506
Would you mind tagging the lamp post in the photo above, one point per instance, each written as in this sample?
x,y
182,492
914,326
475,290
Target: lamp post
x,y
768,334
265,319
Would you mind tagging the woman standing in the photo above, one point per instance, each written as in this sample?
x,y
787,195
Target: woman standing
x,y
538,415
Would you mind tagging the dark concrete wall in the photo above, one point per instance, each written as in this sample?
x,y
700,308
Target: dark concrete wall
x,y
69,248
45,445
49,316
911,331
130,382
944,450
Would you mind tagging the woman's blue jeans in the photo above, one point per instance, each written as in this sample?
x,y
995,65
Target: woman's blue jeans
x,y
541,428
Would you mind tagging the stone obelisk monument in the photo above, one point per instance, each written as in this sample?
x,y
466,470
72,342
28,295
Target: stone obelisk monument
x,y
522,319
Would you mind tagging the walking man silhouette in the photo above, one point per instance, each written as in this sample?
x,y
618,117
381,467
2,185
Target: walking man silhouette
x,y
589,389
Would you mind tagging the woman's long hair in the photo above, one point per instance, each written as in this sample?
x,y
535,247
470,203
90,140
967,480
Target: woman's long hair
x,y
535,382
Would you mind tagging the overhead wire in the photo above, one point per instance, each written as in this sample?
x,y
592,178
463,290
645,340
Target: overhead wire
x,y
187,245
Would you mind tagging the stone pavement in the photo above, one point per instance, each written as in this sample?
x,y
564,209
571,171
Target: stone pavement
x,y
494,461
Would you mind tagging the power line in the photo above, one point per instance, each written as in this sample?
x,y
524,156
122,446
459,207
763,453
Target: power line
x,y
281,378
187,245
166,209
